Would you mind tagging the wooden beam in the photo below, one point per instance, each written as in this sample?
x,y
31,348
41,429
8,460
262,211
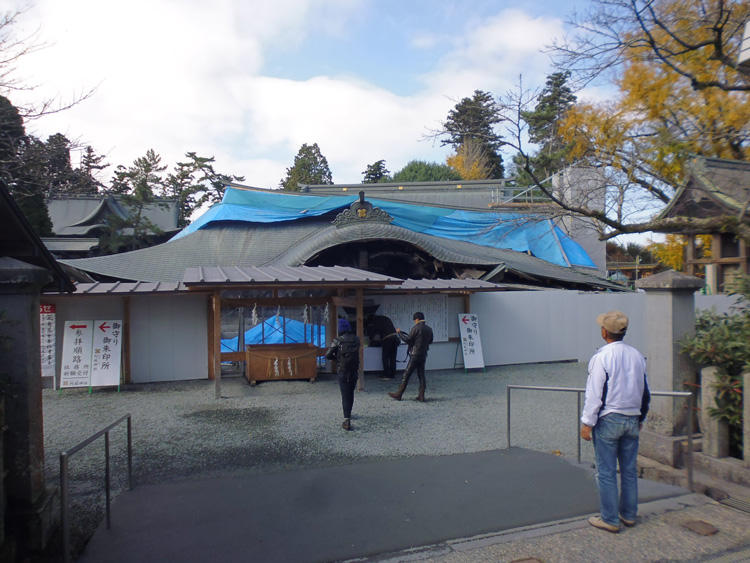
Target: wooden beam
x,y
467,303
345,301
288,301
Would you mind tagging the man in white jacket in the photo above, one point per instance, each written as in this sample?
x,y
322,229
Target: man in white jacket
x,y
617,401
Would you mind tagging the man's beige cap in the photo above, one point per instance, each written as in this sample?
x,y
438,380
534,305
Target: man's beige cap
x,y
614,322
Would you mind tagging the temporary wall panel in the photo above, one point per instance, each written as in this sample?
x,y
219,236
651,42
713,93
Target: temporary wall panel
x,y
547,326
169,333
168,338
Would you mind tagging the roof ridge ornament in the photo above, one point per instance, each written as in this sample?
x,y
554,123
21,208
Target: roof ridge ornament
x,y
359,211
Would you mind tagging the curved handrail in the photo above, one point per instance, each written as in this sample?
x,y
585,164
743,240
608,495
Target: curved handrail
x,y
64,518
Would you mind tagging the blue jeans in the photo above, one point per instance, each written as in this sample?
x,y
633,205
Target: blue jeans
x,y
616,439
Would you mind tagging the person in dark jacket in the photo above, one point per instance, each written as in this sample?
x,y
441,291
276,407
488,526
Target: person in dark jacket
x,y
381,332
418,340
345,351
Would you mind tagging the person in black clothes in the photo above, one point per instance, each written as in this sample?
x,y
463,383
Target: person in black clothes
x,y
345,350
380,331
419,340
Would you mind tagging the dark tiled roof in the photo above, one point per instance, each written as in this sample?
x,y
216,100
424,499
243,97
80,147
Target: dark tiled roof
x,y
292,244
284,275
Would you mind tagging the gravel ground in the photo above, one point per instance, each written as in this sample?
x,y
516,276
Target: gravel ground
x,y
181,431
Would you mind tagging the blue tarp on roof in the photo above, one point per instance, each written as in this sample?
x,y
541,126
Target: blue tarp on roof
x,y
278,330
522,233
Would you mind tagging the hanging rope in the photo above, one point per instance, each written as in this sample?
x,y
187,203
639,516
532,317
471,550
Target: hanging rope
x,y
254,319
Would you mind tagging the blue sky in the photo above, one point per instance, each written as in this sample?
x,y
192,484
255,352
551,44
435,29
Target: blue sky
x,y
249,81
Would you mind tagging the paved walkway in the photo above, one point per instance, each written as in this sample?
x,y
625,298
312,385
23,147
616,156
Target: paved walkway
x,y
394,509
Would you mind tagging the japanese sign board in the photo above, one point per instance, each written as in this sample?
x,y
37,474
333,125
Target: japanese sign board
x,y
91,353
76,354
471,343
47,315
105,360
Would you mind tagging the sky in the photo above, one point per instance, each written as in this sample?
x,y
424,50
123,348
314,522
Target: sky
x,y
248,82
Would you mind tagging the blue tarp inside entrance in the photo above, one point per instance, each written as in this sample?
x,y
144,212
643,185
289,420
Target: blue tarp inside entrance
x,y
278,330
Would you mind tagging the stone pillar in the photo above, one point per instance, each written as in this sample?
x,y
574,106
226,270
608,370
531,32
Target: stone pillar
x,y
670,316
30,515
715,432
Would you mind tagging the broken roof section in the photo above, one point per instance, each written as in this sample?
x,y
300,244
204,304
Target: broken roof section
x,y
527,233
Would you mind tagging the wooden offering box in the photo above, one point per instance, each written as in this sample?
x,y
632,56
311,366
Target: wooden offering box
x,y
267,362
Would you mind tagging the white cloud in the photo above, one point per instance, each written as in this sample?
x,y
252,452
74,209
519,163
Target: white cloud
x,y
492,54
179,76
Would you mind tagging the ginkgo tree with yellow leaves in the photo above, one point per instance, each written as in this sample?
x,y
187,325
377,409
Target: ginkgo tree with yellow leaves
x,y
679,94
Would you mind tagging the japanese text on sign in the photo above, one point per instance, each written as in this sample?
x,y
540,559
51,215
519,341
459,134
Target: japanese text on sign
x,y
76,356
47,339
471,343
105,360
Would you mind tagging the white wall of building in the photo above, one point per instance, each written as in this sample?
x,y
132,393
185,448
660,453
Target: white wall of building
x,y
169,338
169,333
544,326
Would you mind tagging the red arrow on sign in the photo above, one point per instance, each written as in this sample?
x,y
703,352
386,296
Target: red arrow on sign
x,y
465,319
104,326
78,326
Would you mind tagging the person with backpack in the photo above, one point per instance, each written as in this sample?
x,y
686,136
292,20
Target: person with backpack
x,y
345,351
418,340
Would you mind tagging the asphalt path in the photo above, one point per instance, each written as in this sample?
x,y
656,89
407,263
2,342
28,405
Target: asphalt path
x,y
348,511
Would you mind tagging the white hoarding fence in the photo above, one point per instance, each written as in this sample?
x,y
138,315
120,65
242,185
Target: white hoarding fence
x,y
471,343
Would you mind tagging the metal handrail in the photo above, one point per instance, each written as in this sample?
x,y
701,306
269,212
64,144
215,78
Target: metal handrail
x,y
64,518
691,401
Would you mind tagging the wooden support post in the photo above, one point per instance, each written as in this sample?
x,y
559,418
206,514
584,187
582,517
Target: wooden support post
x,y
690,256
210,331
467,303
217,343
127,378
361,336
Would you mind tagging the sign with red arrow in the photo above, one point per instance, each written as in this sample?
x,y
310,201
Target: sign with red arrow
x,y
105,360
91,353
75,370
471,341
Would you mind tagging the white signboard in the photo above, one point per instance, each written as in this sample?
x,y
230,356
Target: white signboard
x,y
105,359
47,340
471,343
76,354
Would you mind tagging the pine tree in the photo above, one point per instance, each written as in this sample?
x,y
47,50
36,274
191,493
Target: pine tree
x,y
310,167
544,122
474,118
376,172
